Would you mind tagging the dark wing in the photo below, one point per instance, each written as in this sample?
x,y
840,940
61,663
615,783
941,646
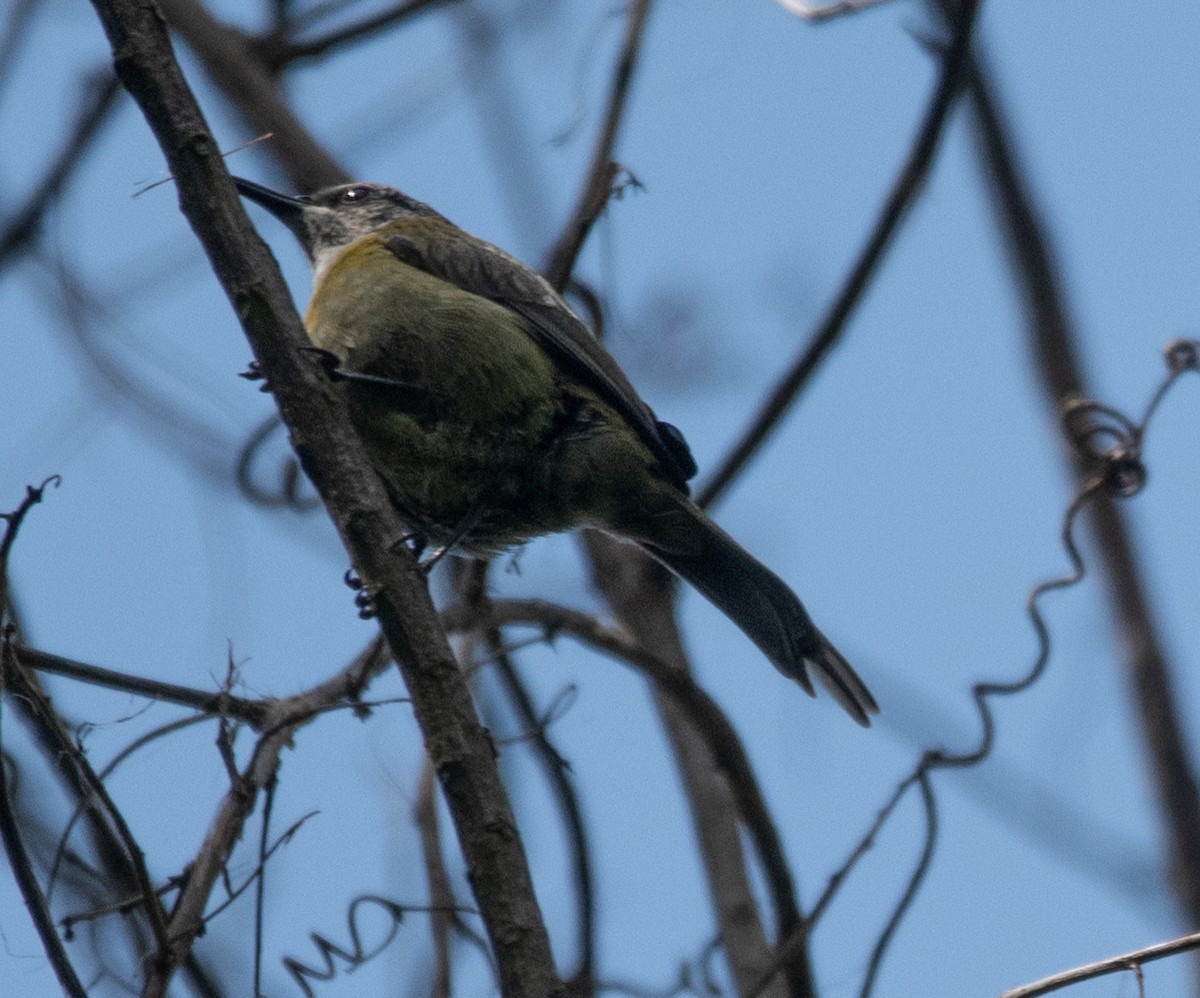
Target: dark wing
x,y
489,272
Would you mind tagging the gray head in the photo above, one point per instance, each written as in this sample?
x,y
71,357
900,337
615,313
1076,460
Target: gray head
x,y
330,219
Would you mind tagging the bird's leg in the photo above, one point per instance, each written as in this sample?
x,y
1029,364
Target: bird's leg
x,y
331,364
465,526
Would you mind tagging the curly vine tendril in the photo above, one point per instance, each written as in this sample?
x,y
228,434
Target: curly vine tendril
x,y
1109,446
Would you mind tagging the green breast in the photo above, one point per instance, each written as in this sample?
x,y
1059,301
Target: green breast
x,y
466,427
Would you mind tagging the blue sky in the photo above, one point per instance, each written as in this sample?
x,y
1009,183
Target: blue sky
x,y
912,497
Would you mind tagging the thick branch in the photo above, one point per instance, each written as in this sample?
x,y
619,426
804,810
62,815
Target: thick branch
x,y
333,458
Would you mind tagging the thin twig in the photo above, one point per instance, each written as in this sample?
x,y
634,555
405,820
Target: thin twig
x,y
1130,961
252,712
441,895
94,788
18,861
908,184
21,227
277,52
915,880
557,774
260,888
84,807
1059,367
597,186
12,527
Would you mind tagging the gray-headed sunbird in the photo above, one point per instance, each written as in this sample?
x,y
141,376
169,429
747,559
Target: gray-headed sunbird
x,y
493,415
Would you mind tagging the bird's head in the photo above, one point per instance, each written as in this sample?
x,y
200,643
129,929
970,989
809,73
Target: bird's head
x,y
332,218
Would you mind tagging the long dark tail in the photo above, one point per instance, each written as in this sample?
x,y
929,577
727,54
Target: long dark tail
x,y
757,600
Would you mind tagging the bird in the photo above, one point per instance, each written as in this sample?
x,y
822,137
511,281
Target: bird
x,y
493,415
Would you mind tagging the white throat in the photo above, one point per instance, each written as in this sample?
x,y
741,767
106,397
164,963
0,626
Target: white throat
x,y
323,261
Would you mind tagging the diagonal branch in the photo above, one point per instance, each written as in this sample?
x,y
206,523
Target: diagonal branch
x,y
221,702
229,58
333,458
1056,351
277,52
597,185
1113,965
908,184
710,739
23,225
27,882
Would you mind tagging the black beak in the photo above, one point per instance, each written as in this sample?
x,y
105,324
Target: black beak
x,y
288,210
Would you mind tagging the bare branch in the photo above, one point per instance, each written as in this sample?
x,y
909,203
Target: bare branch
x,y
12,526
441,896
252,712
333,457
722,746
597,186
907,186
1130,961
18,860
93,790
276,52
1055,348
23,225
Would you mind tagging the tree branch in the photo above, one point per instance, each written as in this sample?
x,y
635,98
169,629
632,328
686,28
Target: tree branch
x,y
1055,349
597,185
230,59
333,458
1114,964
907,186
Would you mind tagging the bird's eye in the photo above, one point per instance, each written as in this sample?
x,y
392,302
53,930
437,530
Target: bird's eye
x,y
353,194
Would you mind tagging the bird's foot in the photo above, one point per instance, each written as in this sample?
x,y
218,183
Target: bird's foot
x,y
255,373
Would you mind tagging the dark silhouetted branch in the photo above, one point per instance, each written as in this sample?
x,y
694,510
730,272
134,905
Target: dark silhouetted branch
x,y
1055,348
597,185
23,873
21,228
276,52
905,189
332,455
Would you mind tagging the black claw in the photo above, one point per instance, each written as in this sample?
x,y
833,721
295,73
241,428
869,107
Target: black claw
x,y
351,578
365,604
255,373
